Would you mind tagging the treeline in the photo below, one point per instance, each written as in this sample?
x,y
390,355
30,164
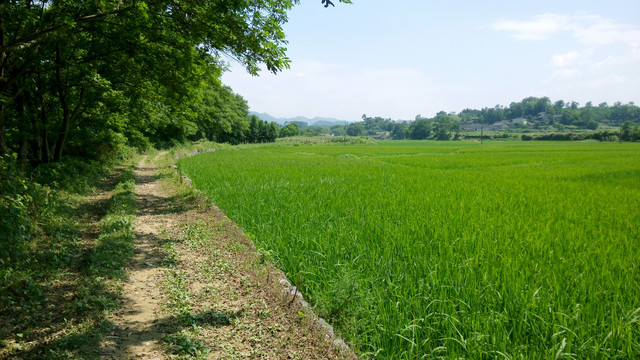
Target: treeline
x,y
569,136
530,113
628,132
543,109
82,78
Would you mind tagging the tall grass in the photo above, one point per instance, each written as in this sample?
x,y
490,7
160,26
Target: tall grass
x,y
422,249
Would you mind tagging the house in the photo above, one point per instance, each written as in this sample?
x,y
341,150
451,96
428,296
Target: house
x,y
500,125
520,121
474,127
543,117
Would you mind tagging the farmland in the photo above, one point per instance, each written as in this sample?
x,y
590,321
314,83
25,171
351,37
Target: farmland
x,y
449,249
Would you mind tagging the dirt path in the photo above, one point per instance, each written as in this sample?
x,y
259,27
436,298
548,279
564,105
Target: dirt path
x,y
138,334
198,289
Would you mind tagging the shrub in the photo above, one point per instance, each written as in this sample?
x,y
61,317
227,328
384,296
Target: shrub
x,y
17,223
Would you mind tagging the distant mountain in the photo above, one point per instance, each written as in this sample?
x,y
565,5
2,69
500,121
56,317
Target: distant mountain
x,y
316,121
265,117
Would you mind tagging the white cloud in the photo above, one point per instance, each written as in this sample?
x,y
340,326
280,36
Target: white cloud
x,y
336,90
587,29
596,30
563,74
563,60
605,48
606,81
539,28
629,57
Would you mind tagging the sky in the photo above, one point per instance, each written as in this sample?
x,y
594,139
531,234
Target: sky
x,y
402,58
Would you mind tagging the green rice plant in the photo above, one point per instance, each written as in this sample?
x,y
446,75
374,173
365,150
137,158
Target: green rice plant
x,y
456,249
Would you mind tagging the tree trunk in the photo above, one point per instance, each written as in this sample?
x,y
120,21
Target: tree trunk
x,y
36,130
4,149
45,133
66,123
23,132
64,105
23,153
42,129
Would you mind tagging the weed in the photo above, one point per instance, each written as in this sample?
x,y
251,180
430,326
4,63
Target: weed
x,y
186,343
195,235
178,298
171,256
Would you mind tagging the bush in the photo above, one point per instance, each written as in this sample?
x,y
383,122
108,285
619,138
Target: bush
x,y
593,135
71,174
103,145
140,142
17,210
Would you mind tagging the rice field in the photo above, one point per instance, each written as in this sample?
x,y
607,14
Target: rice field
x,y
449,249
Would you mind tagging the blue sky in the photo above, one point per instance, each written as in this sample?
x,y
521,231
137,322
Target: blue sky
x,y
398,59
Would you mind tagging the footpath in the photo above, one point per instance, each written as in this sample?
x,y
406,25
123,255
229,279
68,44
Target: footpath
x,y
198,289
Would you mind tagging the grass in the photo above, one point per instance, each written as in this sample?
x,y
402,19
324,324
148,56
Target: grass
x,y
425,249
184,339
186,345
56,301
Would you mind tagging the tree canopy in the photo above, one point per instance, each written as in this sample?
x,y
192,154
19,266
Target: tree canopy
x,y
77,74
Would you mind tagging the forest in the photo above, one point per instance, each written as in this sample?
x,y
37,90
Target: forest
x,y
531,115
81,79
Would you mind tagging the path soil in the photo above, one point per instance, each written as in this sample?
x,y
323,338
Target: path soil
x,y
137,334
237,306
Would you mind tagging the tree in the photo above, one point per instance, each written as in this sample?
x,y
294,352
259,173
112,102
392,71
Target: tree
x,y
400,131
588,118
470,116
516,110
355,129
542,105
420,129
338,130
269,132
326,3
444,127
217,109
627,131
67,66
492,115
253,136
290,130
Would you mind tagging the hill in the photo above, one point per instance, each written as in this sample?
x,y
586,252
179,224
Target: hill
x,y
316,121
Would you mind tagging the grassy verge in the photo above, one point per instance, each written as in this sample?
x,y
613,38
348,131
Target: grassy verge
x,y
188,320
55,298
184,329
